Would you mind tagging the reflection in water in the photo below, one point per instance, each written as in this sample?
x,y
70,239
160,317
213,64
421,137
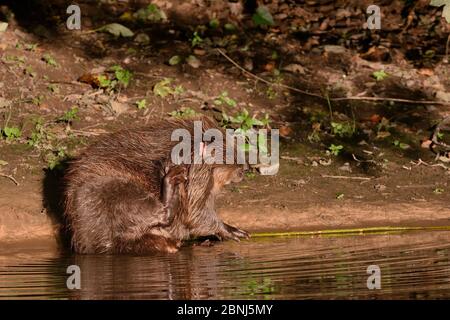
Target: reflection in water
x,y
413,266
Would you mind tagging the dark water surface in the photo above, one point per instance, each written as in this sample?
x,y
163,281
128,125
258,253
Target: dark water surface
x,y
413,266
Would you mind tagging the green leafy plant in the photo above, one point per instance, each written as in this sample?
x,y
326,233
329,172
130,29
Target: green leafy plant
x,y
122,75
69,116
184,112
165,88
50,60
401,145
174,60
196,39
141,104
335,149
151,13
11,133
104,81
342,129
214,23
55,157
380,75
262,17
243,120
39,136
223,98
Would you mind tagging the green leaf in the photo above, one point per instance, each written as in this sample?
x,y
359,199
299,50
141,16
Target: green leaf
x,y
12,132
151,13
141,104
214,23
69,116
50,60
229,27
162,88
262,17
122,75
117,29
104,82
380,75
174,60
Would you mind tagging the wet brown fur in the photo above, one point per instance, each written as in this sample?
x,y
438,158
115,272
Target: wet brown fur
x,y
115,190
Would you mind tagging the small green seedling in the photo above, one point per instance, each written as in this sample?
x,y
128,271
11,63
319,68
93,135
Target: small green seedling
x,y
164,88
342,129
401,145
335,149
174,60
141,104
225,99
122,75
380,75
69,116
214,23
54,158
151,13
11,133
196,39
262,17
184,112
50,60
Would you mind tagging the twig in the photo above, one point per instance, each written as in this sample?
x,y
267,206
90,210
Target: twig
x,y
76,83
360,161
85,133
345,177
420,161
328,98
10,178
295,159
266,81
391,99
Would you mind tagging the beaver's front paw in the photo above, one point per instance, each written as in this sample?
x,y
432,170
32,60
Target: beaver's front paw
x,y
233,233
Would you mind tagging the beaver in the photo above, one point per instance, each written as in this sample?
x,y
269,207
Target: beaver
x,y
123,194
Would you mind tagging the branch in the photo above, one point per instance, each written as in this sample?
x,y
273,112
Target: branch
x,y
325,98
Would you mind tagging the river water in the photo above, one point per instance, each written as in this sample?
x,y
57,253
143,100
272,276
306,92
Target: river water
x,y
414,265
